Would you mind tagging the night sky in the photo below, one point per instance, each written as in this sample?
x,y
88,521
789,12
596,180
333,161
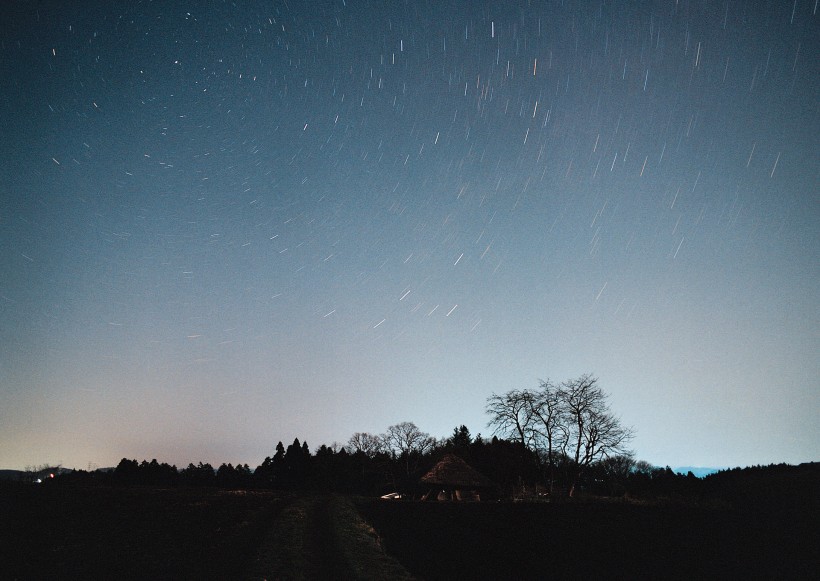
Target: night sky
x,y
228,224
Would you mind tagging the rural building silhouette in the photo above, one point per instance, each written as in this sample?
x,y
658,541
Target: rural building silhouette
x,y
453,479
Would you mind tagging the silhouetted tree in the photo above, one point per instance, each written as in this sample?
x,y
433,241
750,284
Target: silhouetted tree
x,y
296,465
226,476
278,460
568,424
263,474
199,475
593,431
369,444
549,426
511,415
370,465
505,462
406,442
127,471
614,472
326,469
461,438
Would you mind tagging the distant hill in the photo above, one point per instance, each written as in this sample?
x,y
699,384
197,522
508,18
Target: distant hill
x,y
28,475
11,474
791,490
699,471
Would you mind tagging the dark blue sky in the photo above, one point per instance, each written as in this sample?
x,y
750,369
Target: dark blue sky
x,y
229,224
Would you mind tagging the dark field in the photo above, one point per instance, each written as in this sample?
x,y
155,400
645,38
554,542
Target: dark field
x,y
68,532
586,540
62,532
52,532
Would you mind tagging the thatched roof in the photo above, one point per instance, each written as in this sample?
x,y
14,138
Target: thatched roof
x,y
452,471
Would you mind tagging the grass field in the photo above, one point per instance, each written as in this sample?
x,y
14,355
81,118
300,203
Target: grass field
x,y
53,532
595,540
64,532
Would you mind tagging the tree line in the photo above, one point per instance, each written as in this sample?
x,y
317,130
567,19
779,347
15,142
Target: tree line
x,y
337,469
555,440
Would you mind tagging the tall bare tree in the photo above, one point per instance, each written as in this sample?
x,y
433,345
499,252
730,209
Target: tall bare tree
x,y
511,415
569,423
594,432
550,431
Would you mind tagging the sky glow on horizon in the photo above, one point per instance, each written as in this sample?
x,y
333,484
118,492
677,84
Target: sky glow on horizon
x,y
229,225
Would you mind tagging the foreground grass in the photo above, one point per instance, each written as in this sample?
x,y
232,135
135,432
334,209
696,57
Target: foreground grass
x,y
54,532
361,546
595,540
67,532
323,537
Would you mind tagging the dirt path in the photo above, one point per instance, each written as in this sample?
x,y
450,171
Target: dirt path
x,y
302,544
323,554
322,537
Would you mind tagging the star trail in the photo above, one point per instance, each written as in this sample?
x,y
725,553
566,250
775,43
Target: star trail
x,y
228,224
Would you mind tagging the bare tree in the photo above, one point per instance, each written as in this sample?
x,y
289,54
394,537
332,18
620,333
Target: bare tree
x,y
369,444
643,468
594,432
618,468
547,417
568,423
511,415
406,440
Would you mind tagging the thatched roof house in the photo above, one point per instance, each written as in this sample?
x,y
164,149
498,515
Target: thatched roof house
x,y
453,479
